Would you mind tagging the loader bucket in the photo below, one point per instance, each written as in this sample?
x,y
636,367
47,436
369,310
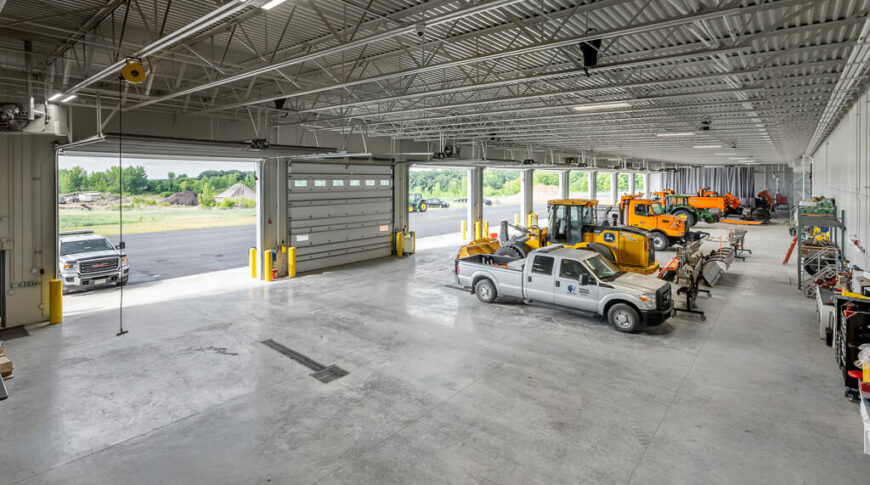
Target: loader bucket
x,y
478,246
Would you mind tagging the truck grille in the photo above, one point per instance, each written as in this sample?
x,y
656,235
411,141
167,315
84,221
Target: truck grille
x,y
98,265
663,297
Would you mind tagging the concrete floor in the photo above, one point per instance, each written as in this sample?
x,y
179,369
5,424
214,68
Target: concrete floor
x,y
442,388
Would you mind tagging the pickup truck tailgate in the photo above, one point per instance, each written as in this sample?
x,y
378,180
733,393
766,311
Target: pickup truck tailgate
x,y
508,281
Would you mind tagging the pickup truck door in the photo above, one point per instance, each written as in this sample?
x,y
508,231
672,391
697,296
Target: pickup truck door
x,y
539,283
570,290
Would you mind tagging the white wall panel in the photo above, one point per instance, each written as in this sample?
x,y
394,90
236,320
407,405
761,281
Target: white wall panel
x,y
840,170
27,224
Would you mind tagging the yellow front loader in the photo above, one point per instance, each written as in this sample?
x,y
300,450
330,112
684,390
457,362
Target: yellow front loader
x,y
573,223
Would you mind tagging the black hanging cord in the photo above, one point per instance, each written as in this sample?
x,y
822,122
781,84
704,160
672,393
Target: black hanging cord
x,y
121,244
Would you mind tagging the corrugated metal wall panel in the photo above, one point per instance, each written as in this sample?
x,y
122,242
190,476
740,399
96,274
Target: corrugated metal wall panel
x,y
339,214
27,225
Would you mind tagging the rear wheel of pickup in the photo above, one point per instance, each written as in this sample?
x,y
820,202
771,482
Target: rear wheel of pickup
x,y
485,291
624,318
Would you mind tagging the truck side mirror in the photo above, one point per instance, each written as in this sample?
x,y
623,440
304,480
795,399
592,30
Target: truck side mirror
x,y
121,245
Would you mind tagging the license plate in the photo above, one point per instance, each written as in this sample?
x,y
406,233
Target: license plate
x,y
99,282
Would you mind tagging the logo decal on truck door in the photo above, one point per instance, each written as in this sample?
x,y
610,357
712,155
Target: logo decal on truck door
x,y
577,290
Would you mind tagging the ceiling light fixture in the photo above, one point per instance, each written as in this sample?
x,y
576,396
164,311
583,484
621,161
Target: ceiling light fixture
x,y
55,97
724,154
587,107
737,158
272,4
69,98
677,133
708,146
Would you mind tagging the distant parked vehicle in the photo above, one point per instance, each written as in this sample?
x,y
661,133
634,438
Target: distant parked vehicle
x,y
487,202
89,260
416,203
436,202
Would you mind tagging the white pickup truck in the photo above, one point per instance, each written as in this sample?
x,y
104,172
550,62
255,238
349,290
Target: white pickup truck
x,y
572,278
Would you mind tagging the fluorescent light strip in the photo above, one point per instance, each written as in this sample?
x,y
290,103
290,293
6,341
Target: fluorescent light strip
x,y
724,154
677,133
708,146
69,98
272,4
55,97
586,107
738,158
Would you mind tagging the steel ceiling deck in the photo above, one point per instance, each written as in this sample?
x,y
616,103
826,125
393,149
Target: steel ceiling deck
x,y
762,72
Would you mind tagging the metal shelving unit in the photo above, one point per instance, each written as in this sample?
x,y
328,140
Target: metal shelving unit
x,y
819,215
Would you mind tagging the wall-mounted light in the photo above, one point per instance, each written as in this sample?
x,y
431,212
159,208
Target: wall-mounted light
x,y
69,98
55,96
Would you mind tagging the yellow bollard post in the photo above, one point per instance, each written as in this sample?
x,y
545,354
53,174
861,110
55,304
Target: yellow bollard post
x,y
476,230
291,262
399,237
463,230
516,219
268,264
253,262
529,220
486,228
55,301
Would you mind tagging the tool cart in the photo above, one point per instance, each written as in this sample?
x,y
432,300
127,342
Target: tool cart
x,y
851,329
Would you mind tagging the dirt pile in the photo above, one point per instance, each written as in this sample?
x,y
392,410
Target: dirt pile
x,y
187,197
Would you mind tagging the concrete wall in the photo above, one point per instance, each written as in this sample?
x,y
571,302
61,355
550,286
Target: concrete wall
x,y
27,224
840,170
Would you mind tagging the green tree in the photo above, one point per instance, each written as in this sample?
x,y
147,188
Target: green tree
x,y
170,178
72,180
206,198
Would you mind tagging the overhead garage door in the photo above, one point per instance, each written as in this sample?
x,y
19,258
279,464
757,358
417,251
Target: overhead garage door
x,y
339,213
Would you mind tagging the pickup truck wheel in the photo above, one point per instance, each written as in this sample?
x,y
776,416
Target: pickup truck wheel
x,y
660,241
624,318
485,291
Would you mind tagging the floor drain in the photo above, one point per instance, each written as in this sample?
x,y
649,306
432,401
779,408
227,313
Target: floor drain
x,y
322,373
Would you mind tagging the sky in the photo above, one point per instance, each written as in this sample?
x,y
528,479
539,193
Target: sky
x,y
156,169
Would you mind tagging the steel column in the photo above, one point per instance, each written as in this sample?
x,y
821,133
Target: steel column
x,y
400,197
526,194
593,185
564,184
614,188
475,197
631,185
646,191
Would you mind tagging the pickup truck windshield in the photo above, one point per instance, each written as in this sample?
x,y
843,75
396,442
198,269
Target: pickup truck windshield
x,y
602,268
86,246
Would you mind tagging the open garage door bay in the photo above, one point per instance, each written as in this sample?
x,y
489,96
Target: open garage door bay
x,y
339,213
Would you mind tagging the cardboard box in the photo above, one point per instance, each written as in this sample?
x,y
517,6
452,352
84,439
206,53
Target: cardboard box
x,y
5,367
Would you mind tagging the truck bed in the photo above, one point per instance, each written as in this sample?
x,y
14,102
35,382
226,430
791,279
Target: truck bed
x,y
505,272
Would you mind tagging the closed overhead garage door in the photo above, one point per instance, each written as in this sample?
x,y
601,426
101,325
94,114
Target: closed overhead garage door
x,y
339,214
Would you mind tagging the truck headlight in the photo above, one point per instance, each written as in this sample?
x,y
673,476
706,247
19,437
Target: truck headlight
x,y
649,300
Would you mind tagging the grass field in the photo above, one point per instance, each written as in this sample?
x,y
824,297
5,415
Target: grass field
x,y
105,221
